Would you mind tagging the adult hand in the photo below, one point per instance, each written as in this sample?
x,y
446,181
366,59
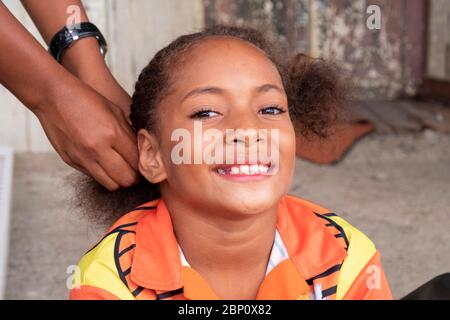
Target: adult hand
x,y
84,61
90,134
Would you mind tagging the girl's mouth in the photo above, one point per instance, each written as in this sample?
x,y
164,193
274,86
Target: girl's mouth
x,y
244,172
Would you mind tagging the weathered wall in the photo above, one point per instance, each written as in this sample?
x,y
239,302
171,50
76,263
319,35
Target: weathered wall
x,y
134,29
288,21
384,63
438,62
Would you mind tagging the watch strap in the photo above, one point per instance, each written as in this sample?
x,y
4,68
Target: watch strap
x,y
64,38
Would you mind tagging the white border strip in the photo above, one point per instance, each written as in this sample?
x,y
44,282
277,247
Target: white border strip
x,y
6,172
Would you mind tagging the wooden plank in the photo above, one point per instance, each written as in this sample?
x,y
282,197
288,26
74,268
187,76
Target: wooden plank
x,y
363,108
430,115
436,89
394,116
360,112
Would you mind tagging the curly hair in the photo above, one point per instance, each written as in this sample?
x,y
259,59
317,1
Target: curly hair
x,y
314,89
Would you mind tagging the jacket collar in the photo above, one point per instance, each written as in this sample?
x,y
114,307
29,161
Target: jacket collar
x,y
311,246
157,264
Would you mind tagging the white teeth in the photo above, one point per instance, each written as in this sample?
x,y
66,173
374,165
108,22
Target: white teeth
x,y
234,170
245,169
254,168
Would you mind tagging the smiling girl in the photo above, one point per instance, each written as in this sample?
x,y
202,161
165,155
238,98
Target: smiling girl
x,y
228,230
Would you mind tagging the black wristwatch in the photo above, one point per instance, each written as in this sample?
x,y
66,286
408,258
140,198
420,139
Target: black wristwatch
x,y
66,37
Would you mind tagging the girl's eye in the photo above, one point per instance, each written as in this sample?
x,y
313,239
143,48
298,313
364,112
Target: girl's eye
x,y
202,114
272,110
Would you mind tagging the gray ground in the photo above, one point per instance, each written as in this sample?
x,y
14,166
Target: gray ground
x,y
395,188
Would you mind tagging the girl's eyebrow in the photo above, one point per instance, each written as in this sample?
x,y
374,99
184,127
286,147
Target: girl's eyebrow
x,y
269,86
216,90
203,90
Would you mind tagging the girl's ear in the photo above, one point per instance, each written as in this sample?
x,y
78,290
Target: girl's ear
x,y
151,165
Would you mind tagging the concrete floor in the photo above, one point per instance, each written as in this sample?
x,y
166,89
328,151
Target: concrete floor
x,y
395,188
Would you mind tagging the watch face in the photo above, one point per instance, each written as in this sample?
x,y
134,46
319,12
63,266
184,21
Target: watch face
x,y
60,38
73,34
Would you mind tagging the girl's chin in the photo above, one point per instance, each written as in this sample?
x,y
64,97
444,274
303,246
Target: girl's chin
x,y
249,204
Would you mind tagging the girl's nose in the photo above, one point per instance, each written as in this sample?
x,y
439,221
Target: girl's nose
x,y
247,137
244,129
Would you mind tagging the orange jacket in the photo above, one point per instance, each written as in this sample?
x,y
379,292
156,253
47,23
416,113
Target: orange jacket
x,y
327,258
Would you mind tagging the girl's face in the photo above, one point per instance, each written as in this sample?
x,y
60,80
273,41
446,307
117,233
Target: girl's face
x,y
224,84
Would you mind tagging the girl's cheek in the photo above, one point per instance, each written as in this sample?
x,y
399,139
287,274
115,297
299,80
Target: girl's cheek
x,y
287,137
289,147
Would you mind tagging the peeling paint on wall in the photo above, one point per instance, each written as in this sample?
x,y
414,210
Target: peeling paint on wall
x,y
384,63
288,20
373,57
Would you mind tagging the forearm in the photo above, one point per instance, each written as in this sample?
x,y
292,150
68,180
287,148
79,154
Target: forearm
x,y
50,16
26,69
83,59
